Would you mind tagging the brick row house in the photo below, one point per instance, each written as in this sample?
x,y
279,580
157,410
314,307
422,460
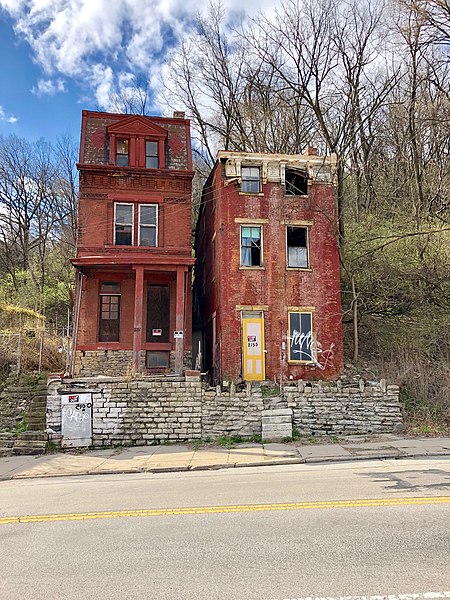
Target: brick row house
x,y
134,251
267,286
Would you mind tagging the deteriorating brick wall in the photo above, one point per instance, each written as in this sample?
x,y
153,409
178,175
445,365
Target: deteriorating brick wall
x,y
154,409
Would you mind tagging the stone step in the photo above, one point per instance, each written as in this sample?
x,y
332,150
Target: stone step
x,y
22,447
33,436
276,420
277,412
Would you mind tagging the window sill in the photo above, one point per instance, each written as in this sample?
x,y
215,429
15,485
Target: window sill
x,y
307,269
244,268
301,362
255,194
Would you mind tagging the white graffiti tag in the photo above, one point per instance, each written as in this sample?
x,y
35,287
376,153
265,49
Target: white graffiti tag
x,y
303,345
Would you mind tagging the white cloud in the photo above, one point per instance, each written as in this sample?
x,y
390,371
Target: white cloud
x,y
8,118
103,41
48,87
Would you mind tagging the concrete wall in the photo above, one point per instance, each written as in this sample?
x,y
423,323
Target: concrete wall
x,y
177,409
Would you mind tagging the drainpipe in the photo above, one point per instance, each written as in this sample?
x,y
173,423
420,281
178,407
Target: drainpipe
x,y
76,318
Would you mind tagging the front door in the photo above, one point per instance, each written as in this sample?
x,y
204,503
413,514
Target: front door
x,y
253,360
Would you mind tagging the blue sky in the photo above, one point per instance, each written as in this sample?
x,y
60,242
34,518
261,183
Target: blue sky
x,y
60,56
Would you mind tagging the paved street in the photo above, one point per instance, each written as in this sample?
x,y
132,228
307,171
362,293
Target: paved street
x,y
368,528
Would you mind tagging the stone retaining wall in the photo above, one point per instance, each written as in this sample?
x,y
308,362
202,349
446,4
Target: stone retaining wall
x,y
115,363
170,408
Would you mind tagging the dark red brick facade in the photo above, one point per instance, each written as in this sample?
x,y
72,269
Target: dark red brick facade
x,y
225,289
164,189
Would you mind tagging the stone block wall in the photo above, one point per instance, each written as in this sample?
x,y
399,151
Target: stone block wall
x,y
115,363
154,409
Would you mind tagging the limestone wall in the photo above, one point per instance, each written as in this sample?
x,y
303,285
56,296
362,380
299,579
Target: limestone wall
x,y
154,409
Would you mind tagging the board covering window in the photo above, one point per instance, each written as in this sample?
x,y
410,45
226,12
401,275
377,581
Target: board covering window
x,y
300,336
251,180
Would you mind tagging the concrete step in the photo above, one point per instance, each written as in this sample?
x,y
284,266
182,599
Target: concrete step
x,y
33,436
276,420
277,412
22,447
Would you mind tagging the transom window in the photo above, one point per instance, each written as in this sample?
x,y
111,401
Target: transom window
x,y
145,216
250,180
151,155
122,152
297,247
251,255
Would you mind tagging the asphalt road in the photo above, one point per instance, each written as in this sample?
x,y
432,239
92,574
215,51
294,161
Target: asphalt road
x,y
261,550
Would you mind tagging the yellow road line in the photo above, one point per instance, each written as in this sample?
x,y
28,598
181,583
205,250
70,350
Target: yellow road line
x,y
237,508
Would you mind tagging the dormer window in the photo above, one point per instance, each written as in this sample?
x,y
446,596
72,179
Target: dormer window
x,y
122,152
151,155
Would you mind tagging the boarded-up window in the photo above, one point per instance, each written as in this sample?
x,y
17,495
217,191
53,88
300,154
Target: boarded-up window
x,y
300,336
158,313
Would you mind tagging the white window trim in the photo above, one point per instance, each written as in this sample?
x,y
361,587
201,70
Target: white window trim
x,y
308,264
155,226
261,265
132,220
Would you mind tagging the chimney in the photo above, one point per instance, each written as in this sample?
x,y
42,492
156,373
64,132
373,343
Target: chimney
x,y
178,114
311,151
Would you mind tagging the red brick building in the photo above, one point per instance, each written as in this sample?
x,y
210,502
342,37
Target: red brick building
x,y
267,287
134,255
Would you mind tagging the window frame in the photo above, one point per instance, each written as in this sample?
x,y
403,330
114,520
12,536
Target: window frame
x,y
289,186
156,226
124,139
250,180
156,142
261,260
306,228
312,359
101,297
116,204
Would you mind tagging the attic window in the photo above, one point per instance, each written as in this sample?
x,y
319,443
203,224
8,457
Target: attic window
x,y
122,153
296,183
250,180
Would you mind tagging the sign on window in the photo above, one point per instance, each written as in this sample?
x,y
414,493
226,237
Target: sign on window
x,y
301,347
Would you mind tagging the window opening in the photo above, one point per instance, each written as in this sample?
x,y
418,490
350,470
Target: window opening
x,y
158,313
122,153
151,155
157,359
109,312
251,246
123,227
148,224
297,247
300,337
296,183
250,180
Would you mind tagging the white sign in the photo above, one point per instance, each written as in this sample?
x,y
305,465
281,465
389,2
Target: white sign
x,y
177,334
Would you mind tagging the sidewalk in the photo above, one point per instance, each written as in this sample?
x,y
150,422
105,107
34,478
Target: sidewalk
x,y
154,459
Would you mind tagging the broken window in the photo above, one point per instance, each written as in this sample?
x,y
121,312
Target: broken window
x,y
297,247
122,153
109,312
296,183
250,180
251,255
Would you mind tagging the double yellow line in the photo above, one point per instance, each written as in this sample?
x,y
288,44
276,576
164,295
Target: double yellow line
x,y
236,508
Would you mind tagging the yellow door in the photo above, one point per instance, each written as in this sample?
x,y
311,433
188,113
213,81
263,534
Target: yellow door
x,y
253,347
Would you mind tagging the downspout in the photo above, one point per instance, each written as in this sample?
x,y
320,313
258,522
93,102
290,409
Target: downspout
x,y
76,318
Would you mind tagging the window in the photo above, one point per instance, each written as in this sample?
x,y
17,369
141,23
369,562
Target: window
x,y
148,220
122,153
251,254
157,360
297,247
250,180
109,312
125,215
300,336
123,224
296,183
151,155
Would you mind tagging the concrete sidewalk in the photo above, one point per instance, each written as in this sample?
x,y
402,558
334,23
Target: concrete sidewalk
x,y
153,459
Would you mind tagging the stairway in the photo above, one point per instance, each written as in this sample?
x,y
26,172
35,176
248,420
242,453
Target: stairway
x,y
276,419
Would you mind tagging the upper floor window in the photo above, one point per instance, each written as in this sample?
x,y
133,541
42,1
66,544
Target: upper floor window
x,y
296,183
151,155
251,254
250,180
123,224
126,215
297,247
148,224
122,152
